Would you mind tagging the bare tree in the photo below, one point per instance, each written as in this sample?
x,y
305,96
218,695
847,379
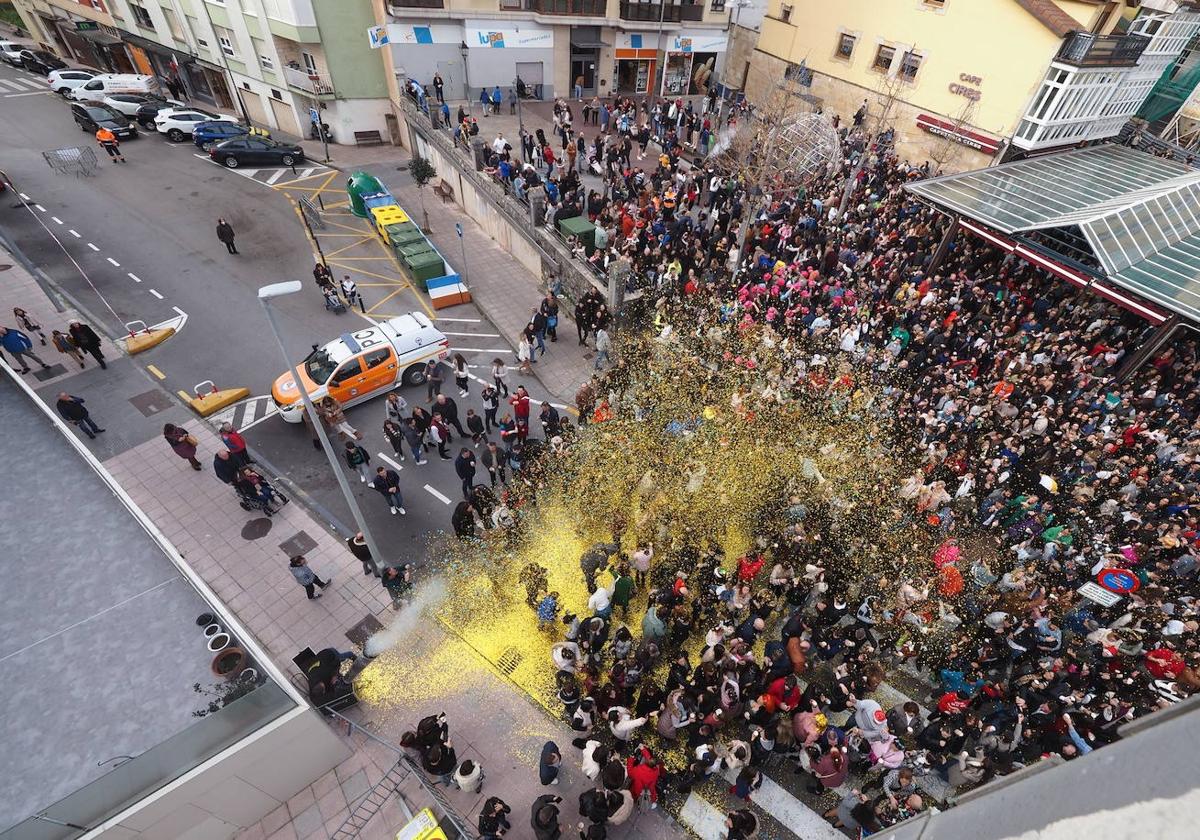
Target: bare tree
x,y
947,150
778,149
879,122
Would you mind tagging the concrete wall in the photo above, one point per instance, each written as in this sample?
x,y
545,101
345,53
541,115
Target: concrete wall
x,y
237,788
999,43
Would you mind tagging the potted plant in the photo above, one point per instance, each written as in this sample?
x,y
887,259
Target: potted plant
x,y
229,662
222,694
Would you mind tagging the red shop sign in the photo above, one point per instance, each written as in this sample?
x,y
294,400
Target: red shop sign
x,y
959,134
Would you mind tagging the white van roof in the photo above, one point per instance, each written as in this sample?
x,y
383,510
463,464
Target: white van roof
x,y
124,78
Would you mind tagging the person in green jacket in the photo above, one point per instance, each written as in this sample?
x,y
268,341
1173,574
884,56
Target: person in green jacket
x,y
623,589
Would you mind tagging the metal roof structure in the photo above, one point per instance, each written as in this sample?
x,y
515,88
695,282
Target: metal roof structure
x,y
1116,217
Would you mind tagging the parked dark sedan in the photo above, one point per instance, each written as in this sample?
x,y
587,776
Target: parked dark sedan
x,y
257,150
148,109
40,61
91,118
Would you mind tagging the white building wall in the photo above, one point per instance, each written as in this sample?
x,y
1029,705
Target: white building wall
x,y
236,788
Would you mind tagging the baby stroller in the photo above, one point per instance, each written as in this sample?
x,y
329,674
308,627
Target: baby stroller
x,y
249,498
333,302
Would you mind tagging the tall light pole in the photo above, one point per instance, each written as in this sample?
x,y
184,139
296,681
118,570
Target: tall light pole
x,y
265,295
466,75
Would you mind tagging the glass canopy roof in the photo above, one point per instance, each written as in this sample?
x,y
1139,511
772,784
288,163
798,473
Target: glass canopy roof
x,y
1140,214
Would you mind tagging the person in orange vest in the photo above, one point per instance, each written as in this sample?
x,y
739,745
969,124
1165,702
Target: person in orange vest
x,y
110,143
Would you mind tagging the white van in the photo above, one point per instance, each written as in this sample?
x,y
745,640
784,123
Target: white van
x,y
106,84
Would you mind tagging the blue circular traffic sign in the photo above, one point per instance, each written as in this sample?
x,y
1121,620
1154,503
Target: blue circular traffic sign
x,y
1120,581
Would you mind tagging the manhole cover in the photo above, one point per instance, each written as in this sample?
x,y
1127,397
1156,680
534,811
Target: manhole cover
x,y
256,529
508,661
302,543
46,374
151,402
365,629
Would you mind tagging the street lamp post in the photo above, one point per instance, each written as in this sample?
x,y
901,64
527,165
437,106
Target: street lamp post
x,y
265,295
466,75
520,116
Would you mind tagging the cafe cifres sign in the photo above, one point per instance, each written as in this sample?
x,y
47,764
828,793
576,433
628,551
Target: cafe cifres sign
x,y
967,86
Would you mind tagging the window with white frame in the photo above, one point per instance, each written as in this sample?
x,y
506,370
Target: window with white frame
x,y
310,63
227,46
884,55
173,24
140,16
785,13
267,62
845,45
910,65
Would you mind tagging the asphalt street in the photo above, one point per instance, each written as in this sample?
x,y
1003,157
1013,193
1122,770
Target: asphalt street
x,y
143,237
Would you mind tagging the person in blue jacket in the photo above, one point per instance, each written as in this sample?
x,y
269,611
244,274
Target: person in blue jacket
x,y
17,343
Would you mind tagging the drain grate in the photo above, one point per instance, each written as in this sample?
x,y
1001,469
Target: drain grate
x,y
509,660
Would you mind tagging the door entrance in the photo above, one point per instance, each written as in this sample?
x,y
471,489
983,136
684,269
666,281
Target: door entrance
x,y
583,64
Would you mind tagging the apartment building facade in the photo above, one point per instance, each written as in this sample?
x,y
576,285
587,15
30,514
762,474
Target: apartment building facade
x,y
674,47
964,83
272,61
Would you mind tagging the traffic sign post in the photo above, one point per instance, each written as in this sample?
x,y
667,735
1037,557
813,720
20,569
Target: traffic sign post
x,y
1119,581
462,243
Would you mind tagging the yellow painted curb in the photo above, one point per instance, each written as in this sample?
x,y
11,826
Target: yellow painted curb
x,y
145,340
217,400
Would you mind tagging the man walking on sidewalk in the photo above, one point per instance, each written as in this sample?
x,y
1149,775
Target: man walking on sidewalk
x,y
87,341
17,343
306,577
225,234
73,411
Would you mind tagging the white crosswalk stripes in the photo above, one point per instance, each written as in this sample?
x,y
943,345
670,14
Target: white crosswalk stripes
x,y
23,85
275,176
249,412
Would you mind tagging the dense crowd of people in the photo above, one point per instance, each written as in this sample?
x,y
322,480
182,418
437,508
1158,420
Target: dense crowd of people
x,y
1037,470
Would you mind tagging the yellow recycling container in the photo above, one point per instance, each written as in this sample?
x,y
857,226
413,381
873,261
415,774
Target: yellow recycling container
x,y
424,826
390,214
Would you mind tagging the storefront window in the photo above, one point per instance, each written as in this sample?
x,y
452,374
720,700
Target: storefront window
x,y
677,74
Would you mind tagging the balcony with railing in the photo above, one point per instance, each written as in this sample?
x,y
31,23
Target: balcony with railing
x,y
418,4
314,84
581,8
1085,49
652,12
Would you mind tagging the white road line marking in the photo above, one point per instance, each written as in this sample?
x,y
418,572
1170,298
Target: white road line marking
x,y
472,335
12,85
37,83
93,247
134,277
156,294
389,461
56,220
179,311
458,349
461,320
74,233
114,262
15,95
278,174
41,208
23,196
436,495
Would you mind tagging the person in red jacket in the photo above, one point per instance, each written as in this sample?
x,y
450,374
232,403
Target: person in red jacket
x,y
749,566
644,773
520,403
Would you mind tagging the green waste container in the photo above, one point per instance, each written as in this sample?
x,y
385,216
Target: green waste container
x,y
358,186
426,266
581,227
405,237
414,248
